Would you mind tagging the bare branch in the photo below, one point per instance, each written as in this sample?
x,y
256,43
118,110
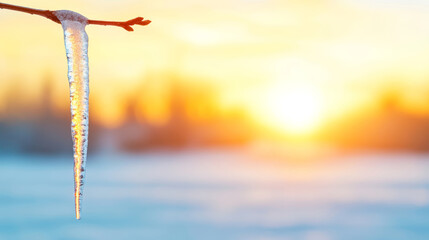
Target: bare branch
x,y
126,24
43,13
50,15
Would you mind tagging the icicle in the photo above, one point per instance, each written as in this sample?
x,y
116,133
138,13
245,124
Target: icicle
x,y
76,43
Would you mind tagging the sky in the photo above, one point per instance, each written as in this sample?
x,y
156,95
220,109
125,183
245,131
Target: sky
x,y
293,64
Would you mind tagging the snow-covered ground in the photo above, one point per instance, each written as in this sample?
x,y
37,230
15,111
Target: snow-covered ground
x,y
216,195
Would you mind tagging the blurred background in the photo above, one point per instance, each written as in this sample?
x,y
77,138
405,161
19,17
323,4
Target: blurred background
x,y
233,119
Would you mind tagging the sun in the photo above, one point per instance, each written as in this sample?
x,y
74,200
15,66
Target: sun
x,y
294,110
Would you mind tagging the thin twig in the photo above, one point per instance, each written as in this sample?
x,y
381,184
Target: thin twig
x,y
126,24
50,15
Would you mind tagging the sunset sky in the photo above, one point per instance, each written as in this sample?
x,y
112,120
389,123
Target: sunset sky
x,y
292,64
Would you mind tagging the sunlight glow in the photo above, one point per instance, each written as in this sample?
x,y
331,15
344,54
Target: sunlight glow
x,y
269,59
295,110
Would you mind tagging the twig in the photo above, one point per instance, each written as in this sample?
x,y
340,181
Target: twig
x,y
126,24
50,15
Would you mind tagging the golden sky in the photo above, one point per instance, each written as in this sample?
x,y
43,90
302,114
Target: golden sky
x,y
291,63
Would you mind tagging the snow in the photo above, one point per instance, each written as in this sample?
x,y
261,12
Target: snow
x,y
217,195
67,15
76,43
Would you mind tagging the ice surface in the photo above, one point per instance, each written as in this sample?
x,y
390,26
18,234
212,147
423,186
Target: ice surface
x,y
76,43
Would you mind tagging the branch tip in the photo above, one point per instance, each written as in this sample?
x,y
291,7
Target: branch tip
x,y
49,14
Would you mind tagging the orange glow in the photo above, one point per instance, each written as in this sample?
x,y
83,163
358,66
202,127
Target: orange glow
x,y
292,65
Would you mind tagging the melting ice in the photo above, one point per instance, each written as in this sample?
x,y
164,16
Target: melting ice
x,y
76,43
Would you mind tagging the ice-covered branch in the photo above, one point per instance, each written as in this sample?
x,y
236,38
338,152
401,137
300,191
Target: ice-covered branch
x,y
76,43
50,15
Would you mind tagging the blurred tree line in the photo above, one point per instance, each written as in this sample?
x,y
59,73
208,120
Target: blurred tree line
x,y
193,120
